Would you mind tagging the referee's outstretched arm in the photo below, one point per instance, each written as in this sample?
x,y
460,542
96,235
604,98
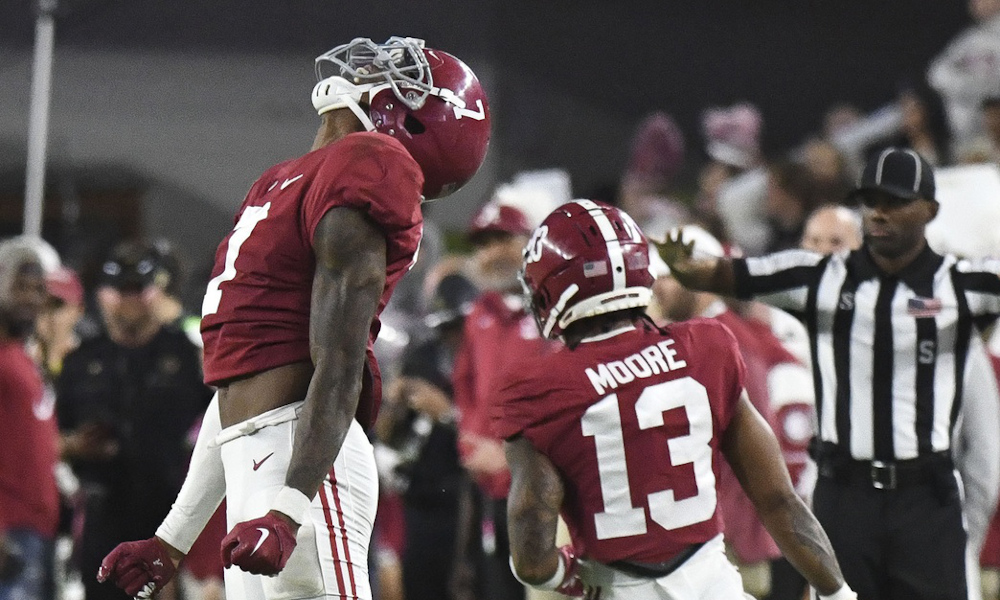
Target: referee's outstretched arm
x,y
755,457
706,274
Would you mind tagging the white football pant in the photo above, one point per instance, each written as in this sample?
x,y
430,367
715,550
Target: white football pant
x,y
331,556
707,575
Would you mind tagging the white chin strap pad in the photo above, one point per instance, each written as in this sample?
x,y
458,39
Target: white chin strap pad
x,y
336,92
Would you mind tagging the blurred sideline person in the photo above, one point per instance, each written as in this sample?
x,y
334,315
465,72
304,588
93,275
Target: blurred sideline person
x,y
288,322
497,328
891,326
640,498
831,229
126,402
967,71
792,193
170,308
777,385
29,500
55,330
417,424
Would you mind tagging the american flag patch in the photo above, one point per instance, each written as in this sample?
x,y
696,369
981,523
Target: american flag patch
x,y
595,268
923,307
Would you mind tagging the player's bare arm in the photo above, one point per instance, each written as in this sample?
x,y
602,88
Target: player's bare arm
x,y
349,278
536,493
754,454
708,274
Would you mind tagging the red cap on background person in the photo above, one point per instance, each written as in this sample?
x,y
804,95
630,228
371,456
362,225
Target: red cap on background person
x,y
495,218
657,152
64,285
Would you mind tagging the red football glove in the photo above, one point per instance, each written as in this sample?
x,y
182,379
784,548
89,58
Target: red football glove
x,y
260,546
140,569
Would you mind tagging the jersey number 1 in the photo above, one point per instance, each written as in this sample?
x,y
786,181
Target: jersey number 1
x,y
603,421
244,227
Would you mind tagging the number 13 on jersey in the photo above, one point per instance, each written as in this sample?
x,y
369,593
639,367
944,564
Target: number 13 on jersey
x,y
603,422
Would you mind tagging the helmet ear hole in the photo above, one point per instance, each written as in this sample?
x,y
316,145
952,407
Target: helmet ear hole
x,y
542,299
413,125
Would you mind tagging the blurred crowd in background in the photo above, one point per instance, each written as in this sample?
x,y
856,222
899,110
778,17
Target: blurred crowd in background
x,y
118,383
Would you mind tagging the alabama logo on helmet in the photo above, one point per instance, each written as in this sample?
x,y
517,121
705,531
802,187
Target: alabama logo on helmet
x,y
585,259
427,99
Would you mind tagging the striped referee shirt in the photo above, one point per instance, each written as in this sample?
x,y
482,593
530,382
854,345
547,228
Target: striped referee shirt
x,y
888,352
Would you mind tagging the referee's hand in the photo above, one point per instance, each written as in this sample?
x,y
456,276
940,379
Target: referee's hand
x,y
678,254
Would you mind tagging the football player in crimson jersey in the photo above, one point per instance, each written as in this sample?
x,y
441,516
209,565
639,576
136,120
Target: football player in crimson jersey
x,y
620,432
289,319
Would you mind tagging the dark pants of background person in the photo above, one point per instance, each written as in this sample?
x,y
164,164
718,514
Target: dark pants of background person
x,y
35,579
109,519
498,581
429,557
786,582
906,543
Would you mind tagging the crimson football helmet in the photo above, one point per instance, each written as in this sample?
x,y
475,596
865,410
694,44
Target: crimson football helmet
x,y
427,99
585,259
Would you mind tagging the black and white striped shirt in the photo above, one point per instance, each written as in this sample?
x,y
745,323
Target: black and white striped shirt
x,y
888,352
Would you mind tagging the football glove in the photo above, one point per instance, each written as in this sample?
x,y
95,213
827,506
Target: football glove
x,y
260,546
140,568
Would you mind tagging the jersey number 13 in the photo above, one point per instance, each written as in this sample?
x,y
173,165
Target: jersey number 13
x,y
603,421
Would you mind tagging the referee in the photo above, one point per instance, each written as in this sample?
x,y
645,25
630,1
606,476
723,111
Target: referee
x,y
890,325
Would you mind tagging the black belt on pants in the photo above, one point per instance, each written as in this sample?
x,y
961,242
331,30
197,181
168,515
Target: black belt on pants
x,y
934,468
657,570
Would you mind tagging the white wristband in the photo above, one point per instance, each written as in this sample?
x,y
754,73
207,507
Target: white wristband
x,y
844,593
548,586
293,503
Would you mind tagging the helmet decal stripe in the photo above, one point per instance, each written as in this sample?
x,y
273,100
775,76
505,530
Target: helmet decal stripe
x,y
615,254
560,305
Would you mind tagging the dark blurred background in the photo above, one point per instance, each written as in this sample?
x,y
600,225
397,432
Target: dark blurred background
x,y
164,111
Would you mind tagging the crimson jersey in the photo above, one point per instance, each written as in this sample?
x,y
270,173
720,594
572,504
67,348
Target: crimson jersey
x,y
256,309
633,424
28,445
494,330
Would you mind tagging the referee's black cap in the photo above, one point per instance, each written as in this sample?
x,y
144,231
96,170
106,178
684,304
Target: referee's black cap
x,y
897,171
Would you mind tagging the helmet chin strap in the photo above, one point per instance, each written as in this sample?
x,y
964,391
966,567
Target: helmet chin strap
x,y
336,92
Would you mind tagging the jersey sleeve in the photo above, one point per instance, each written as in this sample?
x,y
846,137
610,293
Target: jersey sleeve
x,y
369,172
511,411
729,369
781,279
980,281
